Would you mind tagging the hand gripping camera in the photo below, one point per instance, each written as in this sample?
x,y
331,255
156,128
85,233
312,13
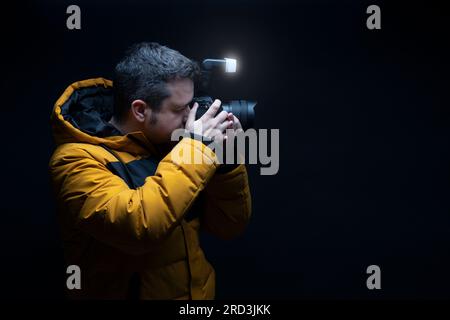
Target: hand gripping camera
x,y
242,109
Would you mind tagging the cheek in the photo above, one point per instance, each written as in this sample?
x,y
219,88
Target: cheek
x,y
174,120
170,121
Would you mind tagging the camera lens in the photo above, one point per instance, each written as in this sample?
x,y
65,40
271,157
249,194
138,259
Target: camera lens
x,y
243,110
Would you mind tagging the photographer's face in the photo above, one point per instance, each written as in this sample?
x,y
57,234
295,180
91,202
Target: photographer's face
x,y
173,112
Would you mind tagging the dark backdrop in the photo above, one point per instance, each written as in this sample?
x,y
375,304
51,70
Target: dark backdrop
x,y
364,137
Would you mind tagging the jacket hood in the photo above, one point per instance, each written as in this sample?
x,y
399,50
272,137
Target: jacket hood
x,y
82,113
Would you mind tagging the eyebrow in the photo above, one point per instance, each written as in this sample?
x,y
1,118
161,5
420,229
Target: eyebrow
x,y
179,106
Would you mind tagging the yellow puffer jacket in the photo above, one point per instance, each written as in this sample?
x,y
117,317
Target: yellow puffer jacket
x,y
130,219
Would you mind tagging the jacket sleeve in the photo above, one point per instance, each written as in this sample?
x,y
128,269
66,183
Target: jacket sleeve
x,y
227,204
133,220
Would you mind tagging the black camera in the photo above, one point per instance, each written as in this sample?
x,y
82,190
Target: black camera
x,y
242,109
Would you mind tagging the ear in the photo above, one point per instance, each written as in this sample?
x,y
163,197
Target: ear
x,y
139,110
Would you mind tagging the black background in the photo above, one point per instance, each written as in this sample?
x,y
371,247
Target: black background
x,y
364,137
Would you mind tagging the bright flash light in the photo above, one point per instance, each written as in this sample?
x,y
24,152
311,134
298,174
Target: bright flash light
x,y
230,65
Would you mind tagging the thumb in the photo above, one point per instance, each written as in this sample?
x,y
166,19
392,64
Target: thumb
x,y
191,117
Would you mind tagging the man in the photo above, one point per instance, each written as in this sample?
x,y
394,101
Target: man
x,y
130,214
